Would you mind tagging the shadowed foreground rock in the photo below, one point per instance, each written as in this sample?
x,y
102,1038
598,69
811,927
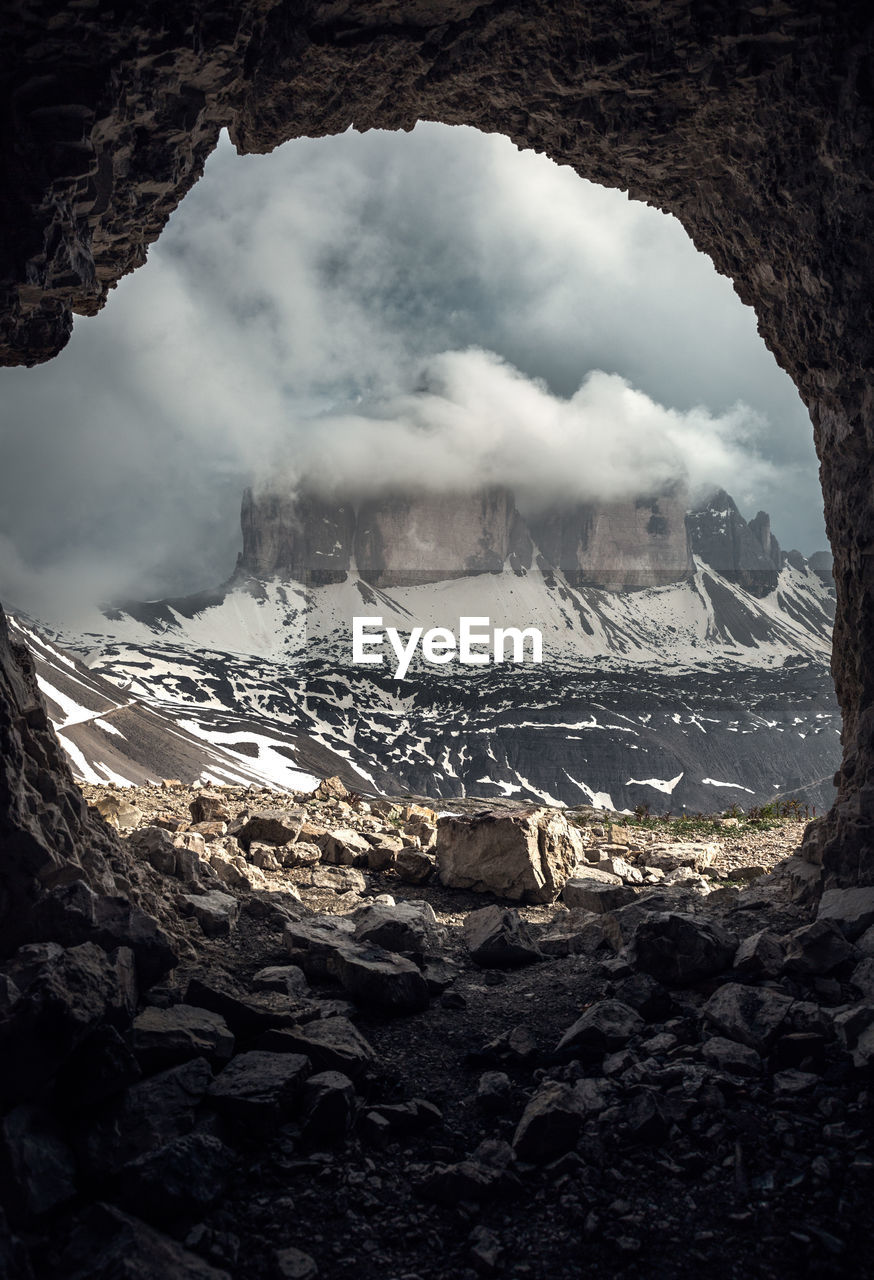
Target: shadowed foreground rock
x,y
356,1083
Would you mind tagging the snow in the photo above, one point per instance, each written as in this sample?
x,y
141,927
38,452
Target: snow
x,y
660,784
271,764
109,728
597,799
711,782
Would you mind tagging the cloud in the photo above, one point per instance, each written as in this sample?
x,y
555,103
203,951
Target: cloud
x,y
294,306
475,420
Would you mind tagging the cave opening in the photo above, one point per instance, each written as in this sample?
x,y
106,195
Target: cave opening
x,y
389,330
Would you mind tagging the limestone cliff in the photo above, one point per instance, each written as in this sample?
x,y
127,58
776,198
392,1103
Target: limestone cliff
x,y
397,539
405,541
295,535
636,543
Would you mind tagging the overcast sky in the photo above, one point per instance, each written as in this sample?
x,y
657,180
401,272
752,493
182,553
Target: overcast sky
x,y
378,308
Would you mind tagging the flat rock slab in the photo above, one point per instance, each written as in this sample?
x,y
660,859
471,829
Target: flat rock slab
x,y
260,1088
597,893
340,879
246,1015
372,976
163,1037
331,1044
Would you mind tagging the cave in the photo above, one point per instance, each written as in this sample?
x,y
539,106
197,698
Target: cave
x,y
750,122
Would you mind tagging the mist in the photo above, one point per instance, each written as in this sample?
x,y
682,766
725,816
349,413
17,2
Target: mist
x,y
386,309
476,420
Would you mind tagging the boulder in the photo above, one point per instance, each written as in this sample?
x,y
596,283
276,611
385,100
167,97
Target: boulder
x,y
729,1055
551,1124
524,856
65,995
680,950
147,1115
485,1175
300,854
185,1176
208,807
413,866
107,1244
668,857
286,978
855,1031
264,856
862,978
260,1089
497,939
331,789
231,871
331,1044
38,1165
760,953
371,976
817,948
156,846
753,1015
162,1037
597,892
407,927
215,912
344,848
328,1107
852,910
118,812
375,977
269,826
603,1028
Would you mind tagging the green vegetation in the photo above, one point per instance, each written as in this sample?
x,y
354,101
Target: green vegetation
x,y
695,826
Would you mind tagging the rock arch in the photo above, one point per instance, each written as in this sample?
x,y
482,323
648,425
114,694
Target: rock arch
x,y
750,121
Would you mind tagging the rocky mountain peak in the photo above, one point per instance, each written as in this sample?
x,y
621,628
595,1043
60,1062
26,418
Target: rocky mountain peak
x,y
746,553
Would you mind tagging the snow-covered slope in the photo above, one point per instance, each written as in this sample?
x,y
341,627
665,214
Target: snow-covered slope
x,y
692,695
111,732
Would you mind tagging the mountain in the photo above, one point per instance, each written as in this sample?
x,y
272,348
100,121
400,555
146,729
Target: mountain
x,y
667,678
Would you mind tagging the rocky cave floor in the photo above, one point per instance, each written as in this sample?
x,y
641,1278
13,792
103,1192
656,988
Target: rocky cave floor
x,y
665,1072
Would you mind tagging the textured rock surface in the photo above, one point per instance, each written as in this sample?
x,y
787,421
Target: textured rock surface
x,y
521,856
638,543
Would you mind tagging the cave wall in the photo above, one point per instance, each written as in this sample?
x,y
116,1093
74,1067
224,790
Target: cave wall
x,y
750,121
